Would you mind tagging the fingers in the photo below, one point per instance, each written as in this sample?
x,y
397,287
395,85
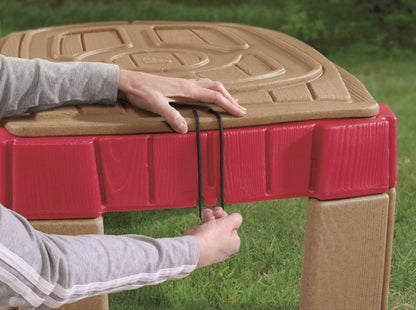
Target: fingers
x,y
215,92
234,220
209,215
202,90
219,212
218,86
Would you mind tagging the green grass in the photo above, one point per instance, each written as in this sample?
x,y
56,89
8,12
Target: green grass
x,y
265,274
32,14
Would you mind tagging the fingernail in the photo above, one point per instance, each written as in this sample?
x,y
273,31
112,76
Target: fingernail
x,y
183,127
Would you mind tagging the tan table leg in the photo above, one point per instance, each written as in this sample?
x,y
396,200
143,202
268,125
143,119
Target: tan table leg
x,y
347,253
76,227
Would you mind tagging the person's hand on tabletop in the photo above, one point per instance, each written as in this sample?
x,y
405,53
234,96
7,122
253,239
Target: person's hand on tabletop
x,y
154,93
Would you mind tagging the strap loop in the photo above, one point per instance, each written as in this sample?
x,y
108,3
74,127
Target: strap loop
x,y
198,147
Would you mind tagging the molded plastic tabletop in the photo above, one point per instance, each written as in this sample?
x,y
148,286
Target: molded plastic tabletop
x,y
276,77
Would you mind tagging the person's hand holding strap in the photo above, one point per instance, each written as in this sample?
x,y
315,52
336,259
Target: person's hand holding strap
x,y
154,93
217,236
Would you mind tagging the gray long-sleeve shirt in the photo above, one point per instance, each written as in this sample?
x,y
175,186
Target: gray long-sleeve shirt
x,y
45,271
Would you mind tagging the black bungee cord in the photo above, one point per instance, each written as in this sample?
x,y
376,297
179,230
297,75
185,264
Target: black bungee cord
x,y
198,147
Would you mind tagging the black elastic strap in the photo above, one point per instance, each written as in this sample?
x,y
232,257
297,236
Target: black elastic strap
x,y
221,137
198,150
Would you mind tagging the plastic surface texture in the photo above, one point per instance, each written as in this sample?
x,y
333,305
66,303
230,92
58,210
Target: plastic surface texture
x,y
347,253
276,77
79,177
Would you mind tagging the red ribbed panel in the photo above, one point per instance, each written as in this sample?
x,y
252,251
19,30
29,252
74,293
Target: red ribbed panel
x,y
80,177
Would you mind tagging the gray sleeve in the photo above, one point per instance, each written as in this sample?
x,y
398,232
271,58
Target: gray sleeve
x,y
45,271
33,85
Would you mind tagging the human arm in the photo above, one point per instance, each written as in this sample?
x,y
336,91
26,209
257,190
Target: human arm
x,y
40,270
35,85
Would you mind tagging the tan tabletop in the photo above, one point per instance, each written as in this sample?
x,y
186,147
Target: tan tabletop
x,y
276,77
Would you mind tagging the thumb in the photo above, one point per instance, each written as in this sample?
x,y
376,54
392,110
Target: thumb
x,y
234,220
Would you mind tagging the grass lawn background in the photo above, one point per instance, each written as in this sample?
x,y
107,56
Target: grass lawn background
x,y
265,274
